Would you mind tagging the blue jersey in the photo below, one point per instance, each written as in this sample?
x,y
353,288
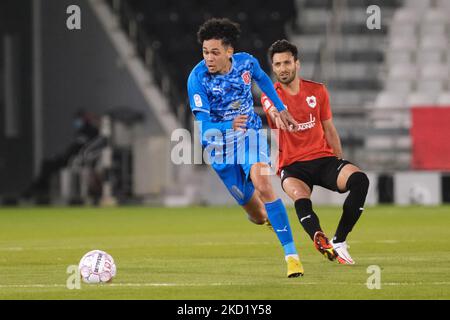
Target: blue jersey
x,y
216,99
226,96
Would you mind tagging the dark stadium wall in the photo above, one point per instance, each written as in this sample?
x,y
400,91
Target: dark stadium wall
x,y
81,69
16,149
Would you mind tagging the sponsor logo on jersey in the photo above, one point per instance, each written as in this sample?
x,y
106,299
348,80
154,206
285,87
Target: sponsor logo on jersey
x,y
308,125
311,101
217,90
247,77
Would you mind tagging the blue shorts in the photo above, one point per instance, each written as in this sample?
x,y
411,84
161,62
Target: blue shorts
x,y
236,176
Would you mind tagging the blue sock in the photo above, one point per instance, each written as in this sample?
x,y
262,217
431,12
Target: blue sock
x,y
277,215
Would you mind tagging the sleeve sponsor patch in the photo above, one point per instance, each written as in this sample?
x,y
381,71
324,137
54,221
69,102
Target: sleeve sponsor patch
x,y
198,100
267,105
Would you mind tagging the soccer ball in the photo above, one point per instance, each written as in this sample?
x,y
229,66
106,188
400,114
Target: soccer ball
x,y
97,266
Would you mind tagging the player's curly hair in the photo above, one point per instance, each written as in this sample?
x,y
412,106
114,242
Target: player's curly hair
x,y
220,29
281,46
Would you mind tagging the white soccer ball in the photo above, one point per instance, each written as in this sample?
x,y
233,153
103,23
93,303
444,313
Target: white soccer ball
x,y
97,266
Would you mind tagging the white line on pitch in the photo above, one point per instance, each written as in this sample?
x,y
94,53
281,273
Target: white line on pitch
x,y
12,286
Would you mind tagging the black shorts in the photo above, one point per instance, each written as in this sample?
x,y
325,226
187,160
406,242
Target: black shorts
x,y
320,172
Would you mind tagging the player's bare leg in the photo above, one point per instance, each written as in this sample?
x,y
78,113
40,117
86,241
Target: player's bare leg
x,y
353,179
300,193
343,176
296,189
276,212
255,209
259,173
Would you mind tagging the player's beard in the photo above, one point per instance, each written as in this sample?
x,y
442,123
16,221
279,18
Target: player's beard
x,y
287,79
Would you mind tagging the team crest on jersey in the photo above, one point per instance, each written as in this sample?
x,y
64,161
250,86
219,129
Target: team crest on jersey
x,y
311,101
247,77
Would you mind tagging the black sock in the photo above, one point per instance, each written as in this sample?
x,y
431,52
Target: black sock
x,y
358,184
308,219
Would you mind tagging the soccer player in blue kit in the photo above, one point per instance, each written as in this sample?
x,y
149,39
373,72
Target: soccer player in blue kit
x,y
219,89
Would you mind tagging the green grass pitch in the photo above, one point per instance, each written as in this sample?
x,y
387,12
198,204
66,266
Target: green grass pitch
x,y
215,253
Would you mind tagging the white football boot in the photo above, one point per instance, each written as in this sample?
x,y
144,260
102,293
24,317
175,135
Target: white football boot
x,y
343,257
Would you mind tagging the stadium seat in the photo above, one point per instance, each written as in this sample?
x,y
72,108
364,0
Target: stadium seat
x,y
443,4
434,42
356,70
434,28
386,141
358,16
404,85
388,99
314,16
431,86
394,57
402,43
307,70
429,56
356,42
417,4
420,99
407,16
436,16
436,71
444,99
313,43
399,30
403,71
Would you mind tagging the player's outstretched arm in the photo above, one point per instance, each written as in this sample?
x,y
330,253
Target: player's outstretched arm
x,y
282,120
266,86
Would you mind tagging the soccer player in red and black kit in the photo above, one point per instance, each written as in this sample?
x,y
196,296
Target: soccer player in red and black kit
x,y
313,154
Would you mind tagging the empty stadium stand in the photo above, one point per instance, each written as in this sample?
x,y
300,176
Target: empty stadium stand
x,y
416,72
